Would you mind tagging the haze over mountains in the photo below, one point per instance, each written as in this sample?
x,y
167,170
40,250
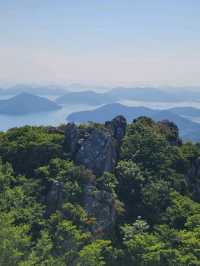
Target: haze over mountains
x,y
33,89
79,94
85,97
175,94
132,94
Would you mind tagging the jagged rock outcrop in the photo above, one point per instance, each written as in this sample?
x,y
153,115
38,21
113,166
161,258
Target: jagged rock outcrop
x,y
95,147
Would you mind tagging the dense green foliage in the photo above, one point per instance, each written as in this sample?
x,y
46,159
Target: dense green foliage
x,y
154,186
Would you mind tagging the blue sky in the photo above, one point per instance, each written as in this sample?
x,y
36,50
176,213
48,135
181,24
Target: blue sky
x,y
150,42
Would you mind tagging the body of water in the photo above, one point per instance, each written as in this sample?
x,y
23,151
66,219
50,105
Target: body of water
x,y
58,117
53,118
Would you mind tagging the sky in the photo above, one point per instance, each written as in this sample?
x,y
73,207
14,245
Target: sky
x,y
104,42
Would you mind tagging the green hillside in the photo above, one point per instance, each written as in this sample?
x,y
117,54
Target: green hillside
x,y
99,194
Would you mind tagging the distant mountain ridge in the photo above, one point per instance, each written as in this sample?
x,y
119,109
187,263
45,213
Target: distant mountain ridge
x,y
25,103
176,94
186,111
146,94
188,130
77,94
86,97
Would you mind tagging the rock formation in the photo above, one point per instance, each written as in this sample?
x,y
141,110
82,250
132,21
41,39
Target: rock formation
x,y
97,152
95,147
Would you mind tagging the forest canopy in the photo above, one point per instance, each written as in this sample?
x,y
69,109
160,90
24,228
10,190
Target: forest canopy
x,y
99,194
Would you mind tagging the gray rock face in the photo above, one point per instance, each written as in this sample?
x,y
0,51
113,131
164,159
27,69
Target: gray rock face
x,y
97,152
99,205
95,148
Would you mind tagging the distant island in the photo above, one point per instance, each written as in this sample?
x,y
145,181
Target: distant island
x,y
26,103
189,130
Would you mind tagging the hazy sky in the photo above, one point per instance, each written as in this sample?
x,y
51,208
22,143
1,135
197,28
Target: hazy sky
x,y
151,42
